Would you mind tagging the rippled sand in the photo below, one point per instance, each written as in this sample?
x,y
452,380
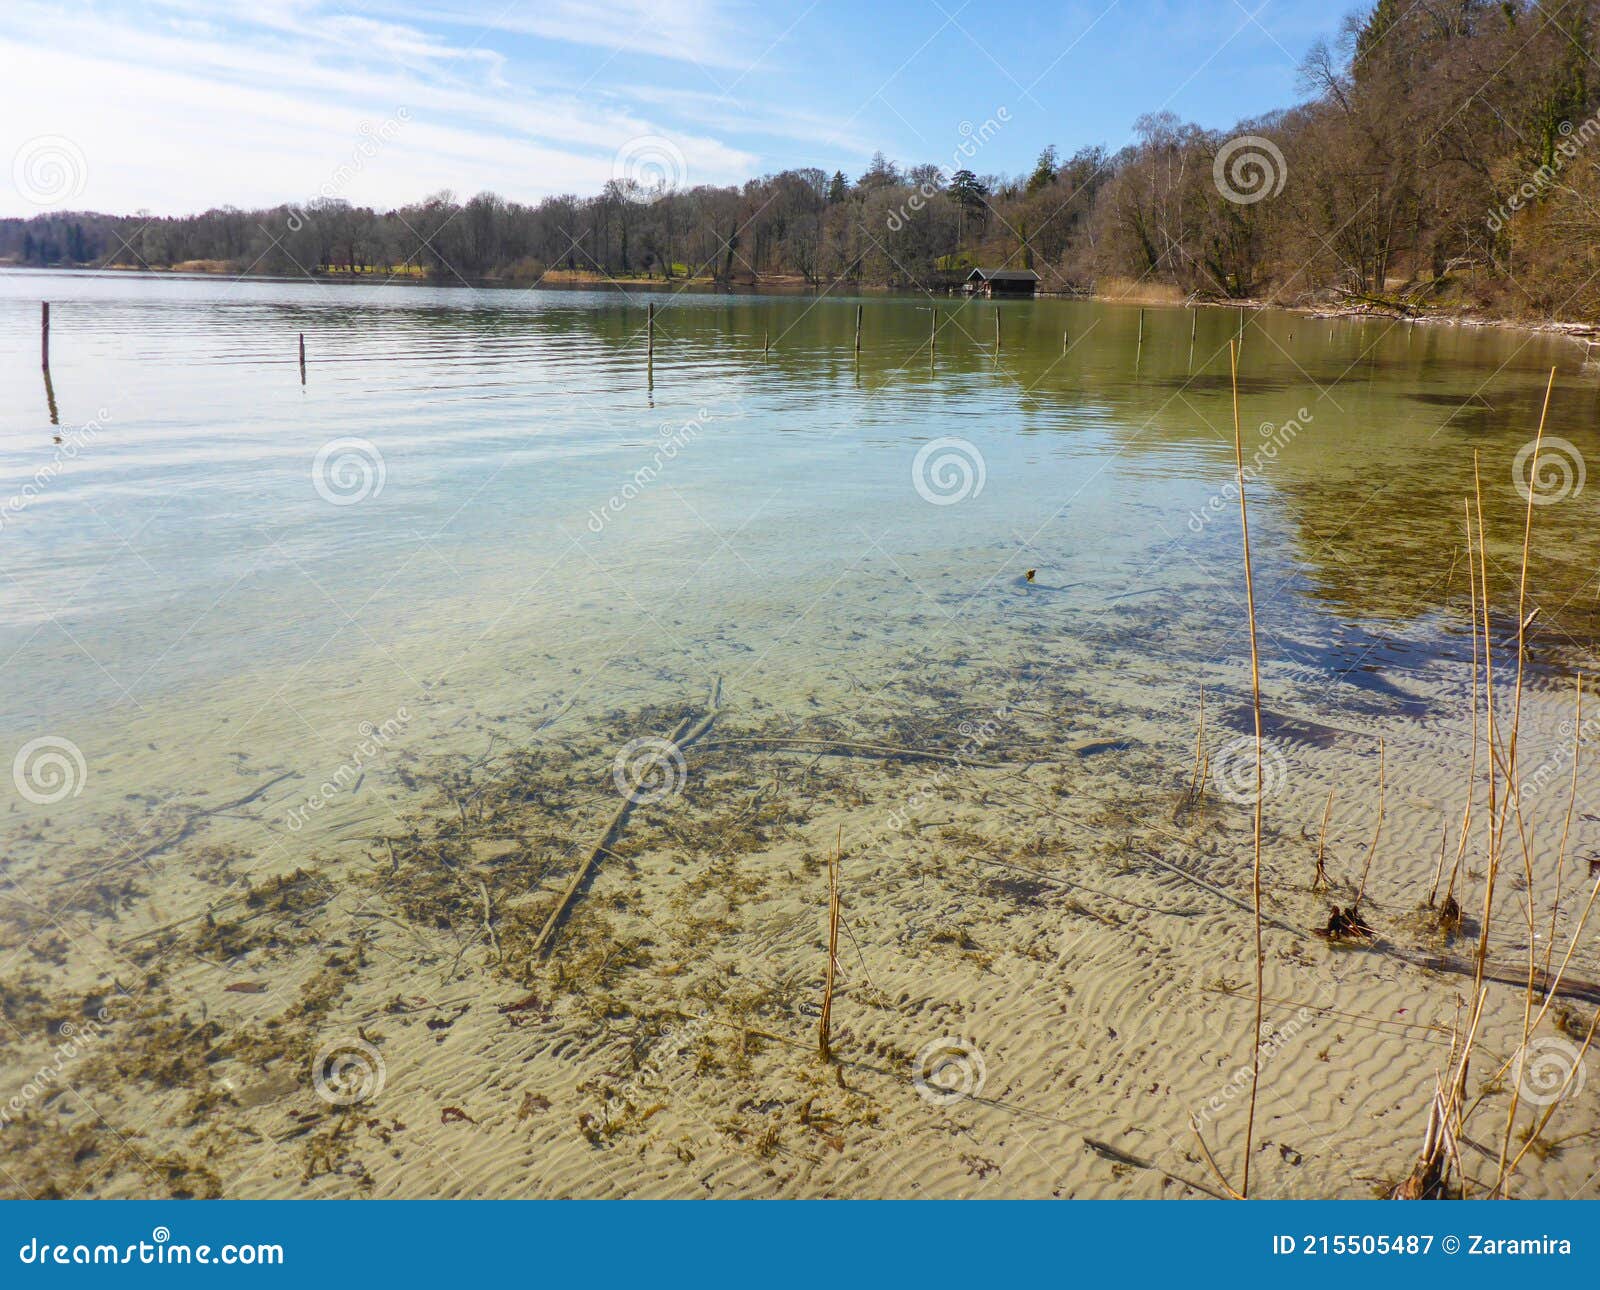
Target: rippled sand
x,y
331,764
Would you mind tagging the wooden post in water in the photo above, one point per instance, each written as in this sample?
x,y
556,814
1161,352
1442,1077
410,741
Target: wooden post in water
x,y
1065,340
766,341
1141,327
44,335
933,333
858,329
997,333
650,335
302,358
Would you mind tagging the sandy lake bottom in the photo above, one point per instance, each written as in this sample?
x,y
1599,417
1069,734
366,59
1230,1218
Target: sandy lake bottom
x,y
423,780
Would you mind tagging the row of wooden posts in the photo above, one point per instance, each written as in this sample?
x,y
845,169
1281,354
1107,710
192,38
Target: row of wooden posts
x,y
650,335
933,333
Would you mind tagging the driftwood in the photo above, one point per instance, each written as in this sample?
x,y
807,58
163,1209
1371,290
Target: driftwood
x,y
846,748
687,732
192,816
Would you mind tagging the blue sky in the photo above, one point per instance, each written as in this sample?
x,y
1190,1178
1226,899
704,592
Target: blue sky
x,y
176,105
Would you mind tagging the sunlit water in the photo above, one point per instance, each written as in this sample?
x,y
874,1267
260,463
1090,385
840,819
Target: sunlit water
x,y
319,695
520,519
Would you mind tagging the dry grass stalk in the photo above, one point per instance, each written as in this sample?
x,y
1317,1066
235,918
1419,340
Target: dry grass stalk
x,y
1377,831
1450,913
1488,708
826,1024
1450,1111
1566,824
1255,704
1319,880
1513,796
1197,783
1430,1177
1211,1163
1438,869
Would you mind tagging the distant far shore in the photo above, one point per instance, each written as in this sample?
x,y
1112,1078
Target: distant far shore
x,y
1114,292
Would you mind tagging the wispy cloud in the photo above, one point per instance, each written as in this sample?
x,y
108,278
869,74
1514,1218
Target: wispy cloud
x,y
185,105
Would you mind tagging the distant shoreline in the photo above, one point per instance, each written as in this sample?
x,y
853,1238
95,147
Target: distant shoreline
x,y
794,284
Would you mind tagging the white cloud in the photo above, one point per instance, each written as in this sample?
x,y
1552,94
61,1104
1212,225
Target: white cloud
x,y
183,114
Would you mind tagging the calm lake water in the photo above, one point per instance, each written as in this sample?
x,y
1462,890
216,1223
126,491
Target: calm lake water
x,y
481,512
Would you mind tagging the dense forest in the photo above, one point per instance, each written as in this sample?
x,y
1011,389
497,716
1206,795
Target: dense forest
x,y
1447,153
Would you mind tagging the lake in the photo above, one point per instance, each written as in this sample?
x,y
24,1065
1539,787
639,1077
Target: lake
x,y
256,621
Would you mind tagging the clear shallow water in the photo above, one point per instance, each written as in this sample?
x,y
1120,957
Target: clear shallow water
x,y
315,696
501,534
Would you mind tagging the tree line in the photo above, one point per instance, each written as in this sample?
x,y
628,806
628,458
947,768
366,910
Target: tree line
x,y
1445,153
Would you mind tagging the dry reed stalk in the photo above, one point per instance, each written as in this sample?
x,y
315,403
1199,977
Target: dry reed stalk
x,y
1566,826
1377,831
1538,1129
1319,880
1438,869
1513,795
1255,704
1488,708
1522,580
1472,768
1430,1176
1211,1163
1552,988
1493,864
1197,782
825,1026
